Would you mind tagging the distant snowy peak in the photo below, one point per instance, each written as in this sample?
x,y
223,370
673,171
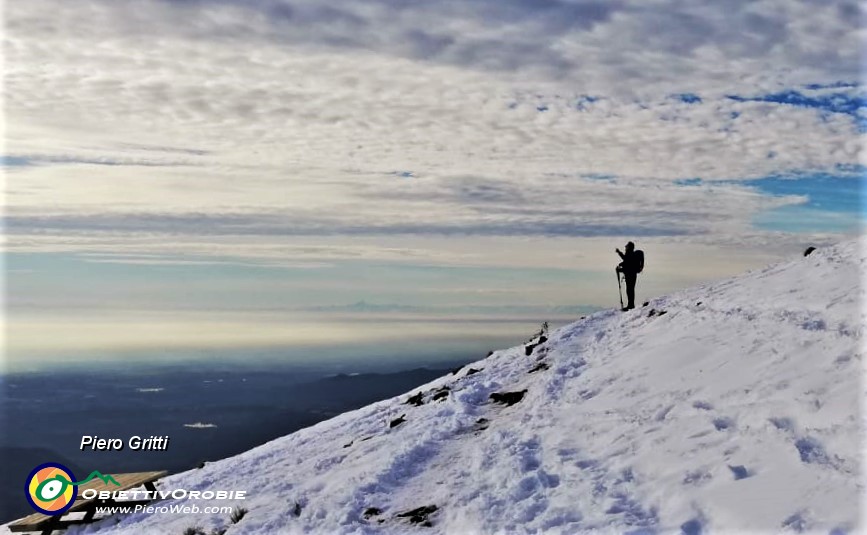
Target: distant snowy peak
x,y
731,407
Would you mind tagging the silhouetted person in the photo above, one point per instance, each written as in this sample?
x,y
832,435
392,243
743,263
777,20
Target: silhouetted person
x,y
631,266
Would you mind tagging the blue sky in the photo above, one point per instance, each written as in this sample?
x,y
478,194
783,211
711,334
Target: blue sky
x,y
183,161
830,202
841,101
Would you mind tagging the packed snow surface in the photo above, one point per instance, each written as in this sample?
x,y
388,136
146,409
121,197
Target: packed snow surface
x,y
736,410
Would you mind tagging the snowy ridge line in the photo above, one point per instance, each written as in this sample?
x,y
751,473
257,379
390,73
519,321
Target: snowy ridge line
x,y
739,415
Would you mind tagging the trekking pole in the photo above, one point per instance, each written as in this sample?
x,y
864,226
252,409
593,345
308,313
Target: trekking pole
x,y
619,288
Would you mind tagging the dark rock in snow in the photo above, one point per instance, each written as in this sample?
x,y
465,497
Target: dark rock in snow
x,y
415,400
809,250
508,398
372,511
472,371
539,367
397,421
420,515
528,349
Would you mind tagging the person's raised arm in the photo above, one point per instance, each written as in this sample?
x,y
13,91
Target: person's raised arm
x,y
622,257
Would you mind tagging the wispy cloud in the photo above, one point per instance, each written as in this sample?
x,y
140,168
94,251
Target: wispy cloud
x,y
514,223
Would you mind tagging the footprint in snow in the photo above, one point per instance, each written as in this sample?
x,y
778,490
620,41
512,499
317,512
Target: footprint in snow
x,y
696,477
783,423
691,527
796,522
631,509
567,454
588,394
702,405
811,451
587,464
663,413
723,423
528,454
739,472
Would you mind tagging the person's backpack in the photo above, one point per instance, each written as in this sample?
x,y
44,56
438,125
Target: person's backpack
x,y
639,261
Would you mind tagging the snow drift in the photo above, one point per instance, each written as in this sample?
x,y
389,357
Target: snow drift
x,y
730,407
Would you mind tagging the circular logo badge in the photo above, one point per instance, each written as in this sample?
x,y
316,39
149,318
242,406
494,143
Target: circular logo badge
x,y
49,488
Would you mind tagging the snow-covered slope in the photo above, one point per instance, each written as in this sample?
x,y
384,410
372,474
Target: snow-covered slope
x,y
737,410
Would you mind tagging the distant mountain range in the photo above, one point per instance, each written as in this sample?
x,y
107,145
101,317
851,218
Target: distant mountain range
x,y
536,311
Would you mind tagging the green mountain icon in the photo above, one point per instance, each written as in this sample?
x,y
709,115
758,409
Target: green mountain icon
x,y
105,478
